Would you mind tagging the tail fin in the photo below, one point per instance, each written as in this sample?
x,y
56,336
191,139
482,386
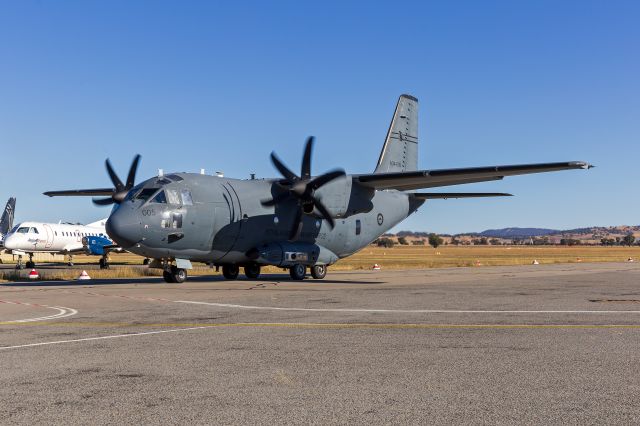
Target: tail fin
x,y
400,150
6,222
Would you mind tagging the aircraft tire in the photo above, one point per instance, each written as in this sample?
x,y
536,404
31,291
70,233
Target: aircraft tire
x,y
167,276
30,264
230,272
178,275
252,271
298,272
318,272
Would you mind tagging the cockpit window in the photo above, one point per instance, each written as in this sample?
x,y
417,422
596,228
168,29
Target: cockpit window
x,y
146,193
34,230
175,178
172,196
23,230
159,198
186,197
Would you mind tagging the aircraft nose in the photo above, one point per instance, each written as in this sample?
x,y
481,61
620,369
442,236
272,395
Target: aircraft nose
x,y
124,227
9,241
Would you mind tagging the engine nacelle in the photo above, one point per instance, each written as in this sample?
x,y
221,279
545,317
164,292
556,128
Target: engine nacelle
x,y
344,198
289,253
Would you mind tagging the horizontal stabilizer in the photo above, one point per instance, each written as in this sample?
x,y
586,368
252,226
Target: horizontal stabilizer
x,y
405,181
445,195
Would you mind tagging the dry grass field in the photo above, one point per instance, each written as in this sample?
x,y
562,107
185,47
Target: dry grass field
x,y
398,257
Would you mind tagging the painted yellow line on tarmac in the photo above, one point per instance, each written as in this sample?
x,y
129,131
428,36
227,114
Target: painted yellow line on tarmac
x,y
324,325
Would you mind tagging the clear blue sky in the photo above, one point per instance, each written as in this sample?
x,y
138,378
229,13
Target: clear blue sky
x,y
219,85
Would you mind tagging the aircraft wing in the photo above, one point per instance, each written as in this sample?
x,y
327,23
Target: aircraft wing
x,y
447,195
404,181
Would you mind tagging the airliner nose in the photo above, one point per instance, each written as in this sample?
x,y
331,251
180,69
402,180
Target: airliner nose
x,y
9,242
124,227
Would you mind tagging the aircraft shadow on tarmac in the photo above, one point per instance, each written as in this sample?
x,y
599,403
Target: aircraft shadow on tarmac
x,y
268,278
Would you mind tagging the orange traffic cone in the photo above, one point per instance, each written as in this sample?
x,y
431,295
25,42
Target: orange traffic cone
x,y
376,267
84,276
33,275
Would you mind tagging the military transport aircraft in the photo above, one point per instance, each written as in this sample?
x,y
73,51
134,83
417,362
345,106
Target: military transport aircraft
x,y
296,221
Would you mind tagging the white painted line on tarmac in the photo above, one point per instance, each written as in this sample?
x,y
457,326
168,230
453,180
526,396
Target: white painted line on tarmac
x,y
404,311
63,312
88,339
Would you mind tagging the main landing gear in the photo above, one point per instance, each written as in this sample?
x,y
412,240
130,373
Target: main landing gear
x,y
297,272
30,263
230,272
175,275
252,271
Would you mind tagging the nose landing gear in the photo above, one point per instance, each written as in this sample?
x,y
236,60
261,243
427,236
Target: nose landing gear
x,y
175,275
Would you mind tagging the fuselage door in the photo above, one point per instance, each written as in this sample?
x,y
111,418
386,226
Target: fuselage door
x,y
49,233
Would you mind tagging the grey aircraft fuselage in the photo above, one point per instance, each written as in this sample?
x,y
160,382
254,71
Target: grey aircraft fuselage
x,y
223,219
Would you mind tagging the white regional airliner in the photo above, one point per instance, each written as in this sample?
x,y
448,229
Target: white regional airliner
x,y
59,238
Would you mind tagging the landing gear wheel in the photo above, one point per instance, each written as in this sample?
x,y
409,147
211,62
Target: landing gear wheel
x,y
168,278
104,264
252,271
178,275
318,272
145,261
30,264
230,272
298,271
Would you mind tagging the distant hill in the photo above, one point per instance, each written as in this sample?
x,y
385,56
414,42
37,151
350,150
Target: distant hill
x,y
515,232
592,232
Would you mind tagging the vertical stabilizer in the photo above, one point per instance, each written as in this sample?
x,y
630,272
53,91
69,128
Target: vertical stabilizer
x,y
400,150
6,222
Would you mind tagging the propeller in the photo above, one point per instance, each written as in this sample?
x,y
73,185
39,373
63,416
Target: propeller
x,y
120,189
303,189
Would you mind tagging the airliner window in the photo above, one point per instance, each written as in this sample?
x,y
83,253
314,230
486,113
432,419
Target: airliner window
x,y
186,197
34,230
160,198
23,230
172,196
146,193
358,227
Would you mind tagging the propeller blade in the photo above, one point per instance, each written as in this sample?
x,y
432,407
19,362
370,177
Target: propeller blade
x,y
325,213
326,178
79,192
131,177
117,183
288,174
296,229
102,201
275,200
305,171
